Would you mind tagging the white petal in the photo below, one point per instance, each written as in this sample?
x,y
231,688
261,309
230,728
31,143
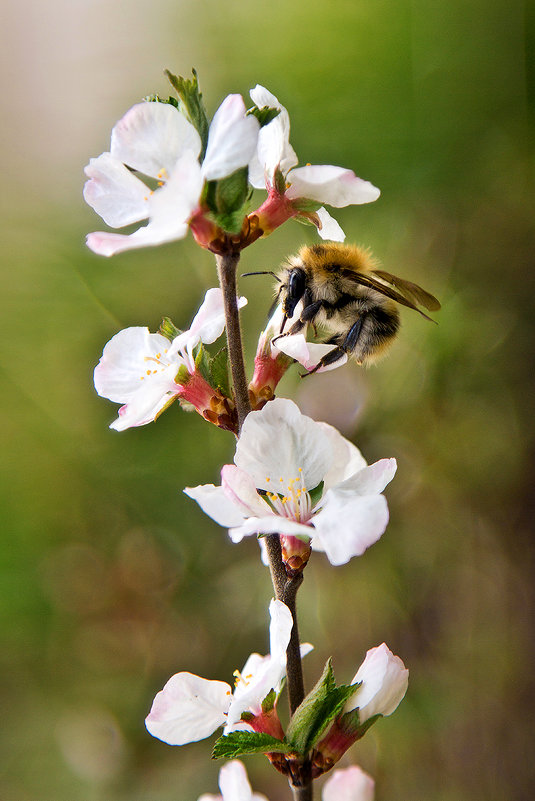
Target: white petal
x,y
151,137
279,442
234,783
126,358
144,407
372,479
240,489
349,784
329,228
114,192
270,524
188,709
308,353
231,140
280,630
347,459
347,524
170,208
215,503
260,674
384,680
334,186
208,324
274,148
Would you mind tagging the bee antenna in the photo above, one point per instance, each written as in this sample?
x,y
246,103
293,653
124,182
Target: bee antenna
x,y
262,272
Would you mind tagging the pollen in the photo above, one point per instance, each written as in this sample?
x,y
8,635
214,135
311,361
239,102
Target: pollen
x,y
295,504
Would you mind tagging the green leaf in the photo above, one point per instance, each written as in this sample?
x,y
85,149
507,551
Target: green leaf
x,y
219,372
317,710
191,103
269,702
231,192
306,205
264,115
172,101
168,329
230,223
203,362
316,493
238,743
350,722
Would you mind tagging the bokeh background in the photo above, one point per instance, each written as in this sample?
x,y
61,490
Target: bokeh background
x,y
112,579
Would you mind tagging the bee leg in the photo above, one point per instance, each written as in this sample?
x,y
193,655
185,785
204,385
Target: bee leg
x,y
349,344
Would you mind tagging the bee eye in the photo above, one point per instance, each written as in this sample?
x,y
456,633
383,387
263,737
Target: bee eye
x,y
296,285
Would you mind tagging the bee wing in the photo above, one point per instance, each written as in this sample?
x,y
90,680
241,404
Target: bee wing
x,y
366,279
410,290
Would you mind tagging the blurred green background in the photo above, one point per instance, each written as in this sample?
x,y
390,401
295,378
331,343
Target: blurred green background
x,y
111,579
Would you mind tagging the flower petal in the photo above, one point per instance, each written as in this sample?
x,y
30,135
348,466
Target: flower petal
x,y
348,524
347,459
114,192
145,407
170,208
207,325
329,228
279,444
233,782
260,675
372,479
232,139
126,360
334,186
270,524
349,784
274,149
189,708
307,353
215,503
240,489
151,137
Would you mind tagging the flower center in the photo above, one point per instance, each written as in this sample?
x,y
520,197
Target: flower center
x,y
293,502
239,678
156,360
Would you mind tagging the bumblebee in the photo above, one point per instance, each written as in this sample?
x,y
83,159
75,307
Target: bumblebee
x,y
342,290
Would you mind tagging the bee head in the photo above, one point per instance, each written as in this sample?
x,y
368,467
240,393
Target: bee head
x,y
295,289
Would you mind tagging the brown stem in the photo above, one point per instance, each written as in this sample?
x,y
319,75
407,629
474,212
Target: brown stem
x,y
285,588
226,268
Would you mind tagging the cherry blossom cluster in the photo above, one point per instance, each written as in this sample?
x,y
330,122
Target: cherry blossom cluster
x,y
293,480
163,168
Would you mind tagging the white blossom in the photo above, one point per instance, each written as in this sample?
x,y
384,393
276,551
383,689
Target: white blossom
x,y
292,475
157,141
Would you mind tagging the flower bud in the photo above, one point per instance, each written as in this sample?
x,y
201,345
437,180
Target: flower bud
x,y
384,680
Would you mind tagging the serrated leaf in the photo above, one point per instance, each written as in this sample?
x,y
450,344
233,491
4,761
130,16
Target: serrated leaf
x,y
306,712
238,743
264,115
172,101
317,710
192,103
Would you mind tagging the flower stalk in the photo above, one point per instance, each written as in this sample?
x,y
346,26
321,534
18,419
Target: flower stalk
x,y
285,588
